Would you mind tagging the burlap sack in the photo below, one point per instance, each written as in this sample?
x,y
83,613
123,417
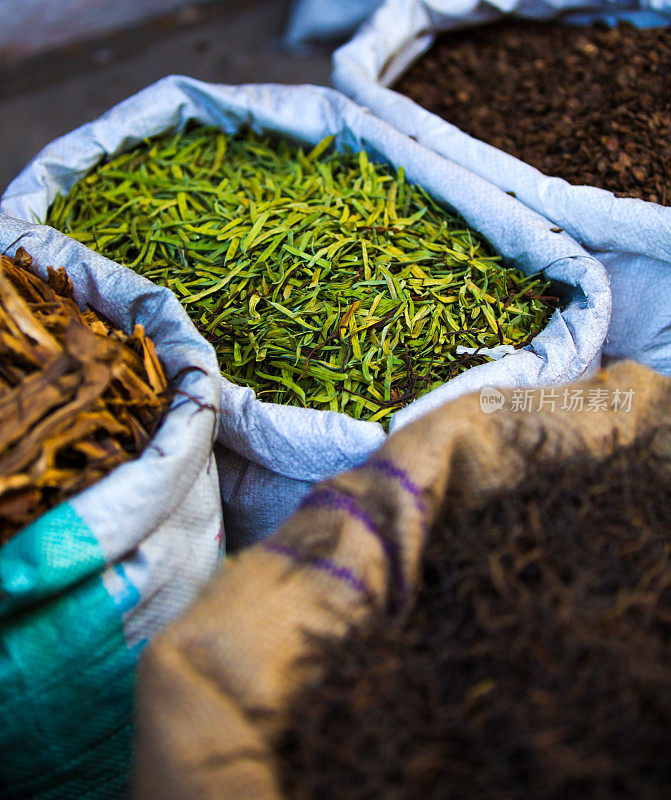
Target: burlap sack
x,y
214,688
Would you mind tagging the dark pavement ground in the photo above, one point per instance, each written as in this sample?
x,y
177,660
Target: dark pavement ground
x,y
228,41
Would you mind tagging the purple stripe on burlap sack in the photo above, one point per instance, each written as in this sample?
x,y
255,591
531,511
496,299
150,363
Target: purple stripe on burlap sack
x,y
335,500
391,470
325,564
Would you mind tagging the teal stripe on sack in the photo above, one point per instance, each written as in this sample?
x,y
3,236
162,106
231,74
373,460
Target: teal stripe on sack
x,y
66,672
49,555
129,597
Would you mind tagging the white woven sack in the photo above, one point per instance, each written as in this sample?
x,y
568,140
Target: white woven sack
x,y
318,22
97,576
270,454
632,238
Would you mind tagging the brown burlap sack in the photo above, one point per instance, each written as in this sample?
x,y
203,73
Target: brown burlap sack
x,y
213,689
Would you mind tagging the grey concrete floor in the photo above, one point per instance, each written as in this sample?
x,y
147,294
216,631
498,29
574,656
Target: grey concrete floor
x,y
236,41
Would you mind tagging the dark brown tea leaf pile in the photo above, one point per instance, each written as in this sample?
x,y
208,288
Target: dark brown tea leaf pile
x,y
77,397
588,104
536,663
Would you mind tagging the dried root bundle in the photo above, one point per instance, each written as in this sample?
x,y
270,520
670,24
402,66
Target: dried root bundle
x,y
77,396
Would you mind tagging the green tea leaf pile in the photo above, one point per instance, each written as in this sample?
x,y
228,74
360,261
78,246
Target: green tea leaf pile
x,y
321,279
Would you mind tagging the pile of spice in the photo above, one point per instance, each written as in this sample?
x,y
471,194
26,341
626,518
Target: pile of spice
x,y
588,104
535,663
77,396
321,279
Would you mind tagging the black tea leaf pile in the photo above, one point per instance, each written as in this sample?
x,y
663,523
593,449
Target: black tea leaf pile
x,y
591,104
535,664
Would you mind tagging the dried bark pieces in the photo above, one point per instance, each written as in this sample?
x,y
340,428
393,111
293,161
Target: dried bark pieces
x,y
77,396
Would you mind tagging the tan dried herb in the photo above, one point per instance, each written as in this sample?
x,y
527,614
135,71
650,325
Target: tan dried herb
x,y
77,396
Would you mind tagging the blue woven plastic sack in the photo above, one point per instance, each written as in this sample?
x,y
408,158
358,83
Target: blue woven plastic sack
x,y
630,237
270,455
86,586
